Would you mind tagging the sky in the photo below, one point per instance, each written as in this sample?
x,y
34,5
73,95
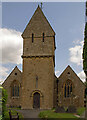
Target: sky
x,y
67,20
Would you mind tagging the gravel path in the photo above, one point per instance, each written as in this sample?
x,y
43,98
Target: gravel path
x,y
30,113
83,115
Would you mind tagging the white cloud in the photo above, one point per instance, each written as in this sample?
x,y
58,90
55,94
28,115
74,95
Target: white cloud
x,y
11,46
3,73
76,53
57,73
82,76
76,41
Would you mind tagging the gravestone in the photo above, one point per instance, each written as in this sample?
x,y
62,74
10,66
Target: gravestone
x,y
71,109
60,109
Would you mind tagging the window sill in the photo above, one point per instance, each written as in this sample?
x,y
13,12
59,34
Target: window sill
x,y
67,98
15,97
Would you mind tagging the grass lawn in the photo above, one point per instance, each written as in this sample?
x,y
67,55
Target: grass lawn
x,y
80,110
52,114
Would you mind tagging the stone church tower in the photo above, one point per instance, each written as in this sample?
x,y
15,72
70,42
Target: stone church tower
x,y
38,63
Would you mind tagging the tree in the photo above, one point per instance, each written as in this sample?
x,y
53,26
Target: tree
x,y
85,56
4,100
85,47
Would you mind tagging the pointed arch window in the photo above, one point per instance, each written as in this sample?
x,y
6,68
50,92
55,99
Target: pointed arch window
x,y
68,93
71,88
65,91
68,88
15,89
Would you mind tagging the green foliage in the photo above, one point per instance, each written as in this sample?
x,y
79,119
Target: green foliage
x,y
0,117
80,110
13,113
85,46
85,84
52,114
4,100
85,50
0,103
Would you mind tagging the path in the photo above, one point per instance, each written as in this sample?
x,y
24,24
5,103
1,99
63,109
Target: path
x,y
30,113
83,115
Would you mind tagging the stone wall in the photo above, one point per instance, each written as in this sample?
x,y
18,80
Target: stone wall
x,y
13,101
77,90
43,68
38,47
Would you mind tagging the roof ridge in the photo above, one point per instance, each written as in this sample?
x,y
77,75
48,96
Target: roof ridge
x,y
73,72
11,73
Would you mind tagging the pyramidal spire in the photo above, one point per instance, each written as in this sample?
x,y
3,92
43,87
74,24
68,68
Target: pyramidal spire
x,y
38,25
38,6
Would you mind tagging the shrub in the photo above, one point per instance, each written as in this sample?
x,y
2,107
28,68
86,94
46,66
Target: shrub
x,y
4,100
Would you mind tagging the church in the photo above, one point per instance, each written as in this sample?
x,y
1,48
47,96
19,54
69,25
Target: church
x,y
37,86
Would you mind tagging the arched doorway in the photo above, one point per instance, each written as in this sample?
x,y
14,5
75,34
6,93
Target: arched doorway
x,y
36,100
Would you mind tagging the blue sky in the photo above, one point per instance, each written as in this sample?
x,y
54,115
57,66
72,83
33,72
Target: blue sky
x,y
66,18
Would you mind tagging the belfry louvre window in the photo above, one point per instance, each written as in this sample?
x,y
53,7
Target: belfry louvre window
x,y
32,37
15,89
68,88
43,37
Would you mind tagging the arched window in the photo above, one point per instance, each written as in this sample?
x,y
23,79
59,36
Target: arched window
x,y
68,92
65,91
68,88
71,88
15,89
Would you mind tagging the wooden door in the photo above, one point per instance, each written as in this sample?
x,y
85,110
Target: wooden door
x,y
36,100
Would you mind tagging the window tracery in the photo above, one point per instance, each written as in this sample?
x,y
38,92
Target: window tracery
x,y
15,89
68,88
